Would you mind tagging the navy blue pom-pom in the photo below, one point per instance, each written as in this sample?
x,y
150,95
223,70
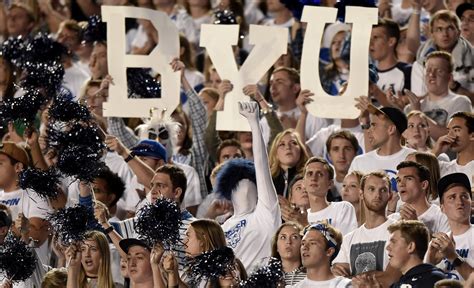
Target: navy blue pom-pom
x,y
268,276
17,260
212,264
81,162
141,84
70,224
45,183
96,30
13,50
224,17
159,223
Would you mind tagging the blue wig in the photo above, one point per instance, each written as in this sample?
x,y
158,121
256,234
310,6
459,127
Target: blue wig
x,y
231,174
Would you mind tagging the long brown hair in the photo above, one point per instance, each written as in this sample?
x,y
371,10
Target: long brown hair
x,y
104,275
210,233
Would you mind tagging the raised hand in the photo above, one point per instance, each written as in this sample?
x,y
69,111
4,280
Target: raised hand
x,y
249,110
304,98
224,87
156,254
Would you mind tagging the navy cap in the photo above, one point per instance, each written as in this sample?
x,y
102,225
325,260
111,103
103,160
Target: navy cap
x,y
125,244
150,148
393,114
456,178
463,8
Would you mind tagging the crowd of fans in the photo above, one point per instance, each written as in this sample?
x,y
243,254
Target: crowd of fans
x,y
383,200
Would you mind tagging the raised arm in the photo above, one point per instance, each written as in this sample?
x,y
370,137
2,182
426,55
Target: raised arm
x,y
267,195
198,114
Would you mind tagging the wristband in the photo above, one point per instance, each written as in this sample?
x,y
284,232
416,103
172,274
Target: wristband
x,y
130,157
416,12
109,229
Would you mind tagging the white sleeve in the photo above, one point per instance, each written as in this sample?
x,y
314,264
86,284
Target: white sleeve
x,y
443,224
38,207
355,165
417,79
265,131
348,219
267,196
462,104
192,196
343,255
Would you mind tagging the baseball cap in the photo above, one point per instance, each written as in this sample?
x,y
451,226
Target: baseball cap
x,y
395,115
125,244
455,178
463,8
150,148
15,151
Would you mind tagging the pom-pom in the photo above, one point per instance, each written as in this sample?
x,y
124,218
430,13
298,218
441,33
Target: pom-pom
x,y
212,264
268,276
159,223
44,183
225,17
64,109
76,134
296,7
17,260
80,162
96,30
231,174
13,49
141,84
70,224
23,108
43,49
48,75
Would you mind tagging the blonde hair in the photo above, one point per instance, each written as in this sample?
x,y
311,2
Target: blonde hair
x,y
275,168
55,278
104,275
429,141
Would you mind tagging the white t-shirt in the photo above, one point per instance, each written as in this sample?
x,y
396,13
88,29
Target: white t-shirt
x,y
396,78
250,235
434,219
468,169
317,142
465,249
364,249
442,110
32,206
371,161
339,214
313,124
74,78
337,282
192,196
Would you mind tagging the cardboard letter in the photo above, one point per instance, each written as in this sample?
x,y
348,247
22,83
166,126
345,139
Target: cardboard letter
x,y
270,43
325,105
118,104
